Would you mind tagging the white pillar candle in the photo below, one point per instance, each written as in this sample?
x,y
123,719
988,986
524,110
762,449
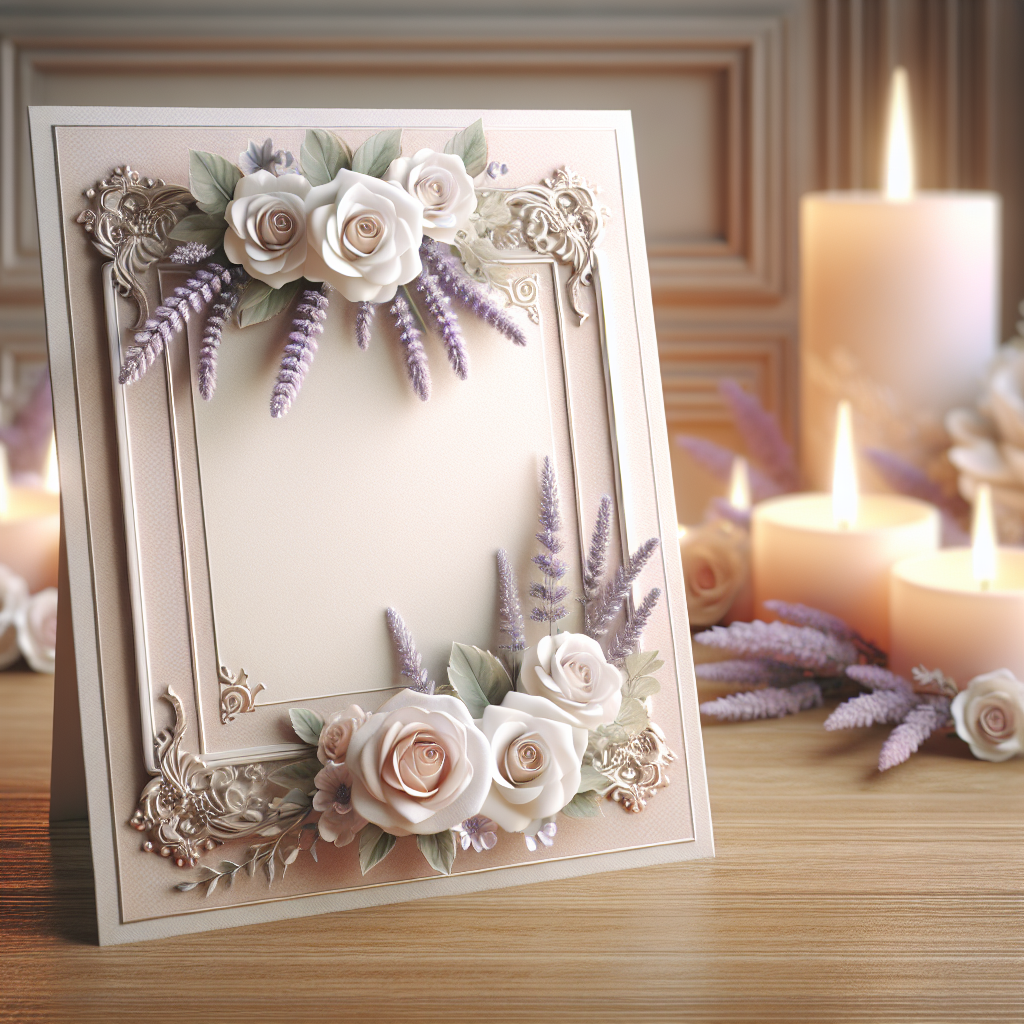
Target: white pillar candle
x,y
800,555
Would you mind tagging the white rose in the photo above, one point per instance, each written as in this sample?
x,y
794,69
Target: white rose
x,y
440,182
989,715
716,571
13,595
535,762
419,765
570,670
337,733
364,236
36,623
267,226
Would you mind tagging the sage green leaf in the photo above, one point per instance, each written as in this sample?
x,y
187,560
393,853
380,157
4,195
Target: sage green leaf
x,y
207,228
592,779
374,845
471,145
478,677
643,663
268,866
583,805
186,886
615,733
307,725
322,155
261,302
632,716
439,850
228,865
302,772
374,156
296,798
212,180
640,687
312,850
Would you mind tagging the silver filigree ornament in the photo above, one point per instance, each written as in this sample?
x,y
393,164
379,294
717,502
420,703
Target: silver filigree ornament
x,y
237,695
636,769
130,220
190,808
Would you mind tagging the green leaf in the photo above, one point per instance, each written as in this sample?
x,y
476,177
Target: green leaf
x,y
478,676
632,716
322,155
439,850
186,886
307,725
583,805
471,145
296,797
641,687
615,733
212,180
200,227
592,779
374,156
643,663
261,302
374,845
300,771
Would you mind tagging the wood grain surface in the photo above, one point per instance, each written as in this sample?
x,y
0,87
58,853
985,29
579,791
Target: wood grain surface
x,y
838,894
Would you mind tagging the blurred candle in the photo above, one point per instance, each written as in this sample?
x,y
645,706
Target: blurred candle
x,y
739,484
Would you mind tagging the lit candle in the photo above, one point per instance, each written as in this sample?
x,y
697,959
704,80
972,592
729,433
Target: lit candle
x,y
899,302
739,485
834,551
961,610
29,529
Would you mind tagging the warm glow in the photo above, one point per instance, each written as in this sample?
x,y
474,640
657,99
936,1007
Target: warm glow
x,y
983,538
682,530
739,484
844,471
5,482
899,160
51,483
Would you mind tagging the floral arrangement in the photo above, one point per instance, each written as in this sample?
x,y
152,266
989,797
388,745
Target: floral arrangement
x,y
794,663
373,226
505,744
28,623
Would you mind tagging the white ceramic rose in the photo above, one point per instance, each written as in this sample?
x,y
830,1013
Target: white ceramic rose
x,y
571,671
440,182
337,732
419,765
267,226
535,761
364,236
339,821
36,623
989,715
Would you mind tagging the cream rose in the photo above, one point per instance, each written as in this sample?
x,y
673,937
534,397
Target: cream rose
x,y
339,822
267,226
440,182
364,236
535,761
36,623
419,765
337,732
716,571
570,670
989,715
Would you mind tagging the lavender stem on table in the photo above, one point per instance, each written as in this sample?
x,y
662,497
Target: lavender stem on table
x,y
799,646
915,728
770,702
298,353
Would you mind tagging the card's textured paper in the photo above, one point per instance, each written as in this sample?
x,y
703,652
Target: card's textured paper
x,y
230,555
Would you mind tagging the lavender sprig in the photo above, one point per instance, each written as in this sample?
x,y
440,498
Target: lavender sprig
x,y
617,588
364,321
550,593
439,307
410,338
409,661
883,707
597,556
219,315
194,296
767,703
718,460
510,614
753,672
762,435
877,678
803,615
191,253
298,353
628,638
454,282
915,728
800,646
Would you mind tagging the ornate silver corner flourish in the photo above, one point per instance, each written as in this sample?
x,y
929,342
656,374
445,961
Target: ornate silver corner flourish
x,y
637,768
237,696
129,221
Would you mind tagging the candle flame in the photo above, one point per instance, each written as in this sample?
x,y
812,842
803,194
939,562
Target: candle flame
x,y
899,163
51,483
739,484
5,483
682,531
983,538
844,471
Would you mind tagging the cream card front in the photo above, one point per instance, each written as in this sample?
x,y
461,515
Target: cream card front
x,y
368,508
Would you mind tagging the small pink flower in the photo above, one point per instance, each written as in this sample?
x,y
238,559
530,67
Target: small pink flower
x,y
479,832
339,823
336,734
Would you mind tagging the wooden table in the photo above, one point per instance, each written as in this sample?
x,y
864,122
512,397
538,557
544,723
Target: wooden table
x,y
838,894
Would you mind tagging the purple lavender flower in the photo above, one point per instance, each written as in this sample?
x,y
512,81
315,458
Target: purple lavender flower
x,y
597,556
439,307
364,321
767,703
409,661
550,593
877,678
804,615
628,638
800,646
481,833
510,615
454,282
191,253
751,671
219,315
544,836
718,460
883,707
617,588
762,436
298,353
409,336
915,728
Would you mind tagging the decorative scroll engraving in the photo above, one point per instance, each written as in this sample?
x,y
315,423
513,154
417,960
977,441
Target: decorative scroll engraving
x,y
522,292
636,768
236,696
190,808
129,222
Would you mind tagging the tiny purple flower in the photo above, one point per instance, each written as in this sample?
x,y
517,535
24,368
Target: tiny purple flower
x,y
479,832
545,835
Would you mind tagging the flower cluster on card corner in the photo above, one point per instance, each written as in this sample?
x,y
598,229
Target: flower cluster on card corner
x,y
370,224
